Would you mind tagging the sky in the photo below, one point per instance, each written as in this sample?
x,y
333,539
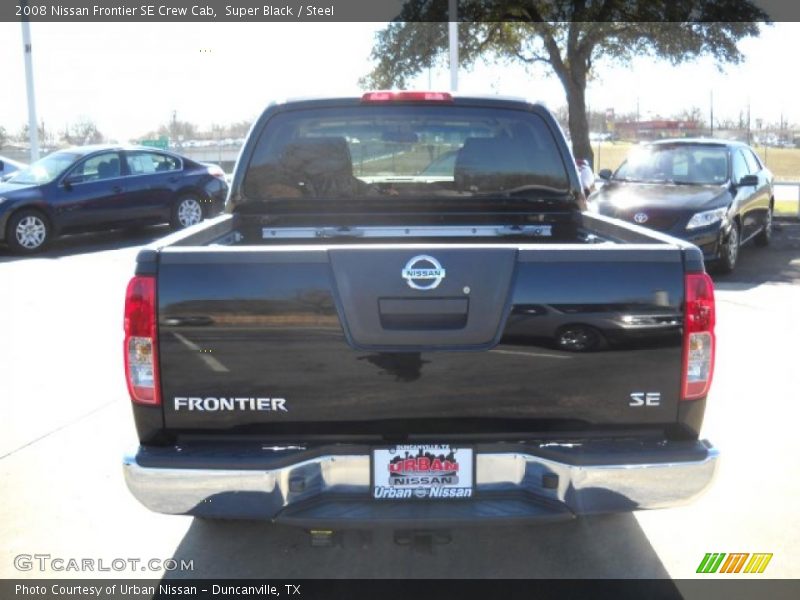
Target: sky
x,y
130,77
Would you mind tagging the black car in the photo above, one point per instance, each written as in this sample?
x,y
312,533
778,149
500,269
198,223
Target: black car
x,y
716,194
105,187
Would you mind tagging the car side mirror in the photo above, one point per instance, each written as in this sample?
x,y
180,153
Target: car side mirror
x,y
605,174
748,181
70,181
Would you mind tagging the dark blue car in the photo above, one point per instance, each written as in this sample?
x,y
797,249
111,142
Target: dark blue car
x,y
93,188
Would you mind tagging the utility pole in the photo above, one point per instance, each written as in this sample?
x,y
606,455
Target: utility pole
x,y
712,113
173,129
452,27
597,162
748,120
33,127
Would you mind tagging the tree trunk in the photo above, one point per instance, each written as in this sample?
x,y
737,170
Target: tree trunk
x,y
578,123
572,73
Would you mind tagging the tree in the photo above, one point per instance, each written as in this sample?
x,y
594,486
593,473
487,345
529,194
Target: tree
x,y
693,114
240,129
178,131
568,37
83,132
46,137
3,137
175,130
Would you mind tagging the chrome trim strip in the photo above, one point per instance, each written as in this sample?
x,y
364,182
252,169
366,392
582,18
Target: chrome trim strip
x,y
586,249
412,231
584,489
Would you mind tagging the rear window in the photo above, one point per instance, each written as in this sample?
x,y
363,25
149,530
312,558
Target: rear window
x,y
144,163
389,153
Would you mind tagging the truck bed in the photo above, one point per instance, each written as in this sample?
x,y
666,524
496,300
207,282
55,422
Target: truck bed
x,y
329,326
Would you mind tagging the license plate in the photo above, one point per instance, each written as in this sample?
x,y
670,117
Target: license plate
x,y
430,471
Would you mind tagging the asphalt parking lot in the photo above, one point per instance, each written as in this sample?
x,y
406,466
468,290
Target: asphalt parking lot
x,y
66,423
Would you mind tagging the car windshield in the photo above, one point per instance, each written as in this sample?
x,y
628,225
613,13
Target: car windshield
x,y
387,153
676,163
46,169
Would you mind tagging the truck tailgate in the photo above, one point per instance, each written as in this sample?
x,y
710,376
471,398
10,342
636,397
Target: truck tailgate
x,y
380,339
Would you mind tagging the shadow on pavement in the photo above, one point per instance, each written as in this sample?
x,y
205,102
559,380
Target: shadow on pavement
x,y
608,546
778,263
88,243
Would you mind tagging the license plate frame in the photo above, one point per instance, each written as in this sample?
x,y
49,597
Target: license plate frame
x,y
423,478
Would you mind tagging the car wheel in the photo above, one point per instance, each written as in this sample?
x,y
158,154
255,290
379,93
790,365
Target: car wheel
x,y
28,232
578,338
729,251
188,211
762,239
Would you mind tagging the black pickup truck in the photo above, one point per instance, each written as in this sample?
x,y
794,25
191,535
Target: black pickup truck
x,y
407,318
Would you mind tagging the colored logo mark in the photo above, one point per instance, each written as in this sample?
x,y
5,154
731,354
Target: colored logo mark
x,y
737,562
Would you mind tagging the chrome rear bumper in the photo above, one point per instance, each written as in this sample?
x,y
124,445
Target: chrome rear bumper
x,y
331,484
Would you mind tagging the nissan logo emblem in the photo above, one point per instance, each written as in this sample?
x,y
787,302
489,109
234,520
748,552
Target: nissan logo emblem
x,y
640,218
423,272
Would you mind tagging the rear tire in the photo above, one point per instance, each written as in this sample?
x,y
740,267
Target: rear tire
x,y
188,211
764,236
28,231
729,251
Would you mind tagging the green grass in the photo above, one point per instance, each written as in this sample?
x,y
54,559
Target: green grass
x,y
783,162
786,207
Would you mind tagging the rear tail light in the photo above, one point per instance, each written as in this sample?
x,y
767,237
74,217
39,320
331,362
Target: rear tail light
x,y
389,96
698,340
216,171
141,359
